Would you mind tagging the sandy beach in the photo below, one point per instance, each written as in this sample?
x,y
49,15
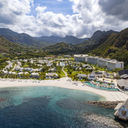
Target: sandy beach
x,y
64,83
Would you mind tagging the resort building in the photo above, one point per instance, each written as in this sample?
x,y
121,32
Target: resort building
x,y
62,64
81,58
82,76
51,75
114,64
125,76
109,64
35,75
92,76
102,62
122,84
91,59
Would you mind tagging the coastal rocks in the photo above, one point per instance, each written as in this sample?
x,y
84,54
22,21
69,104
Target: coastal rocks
x,y
70,104
122,111
98,121
105,104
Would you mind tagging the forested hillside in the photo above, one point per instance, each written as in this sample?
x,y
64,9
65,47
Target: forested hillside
x,y
116,46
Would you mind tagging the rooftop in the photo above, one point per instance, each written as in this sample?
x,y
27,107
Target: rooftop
x,y
122,83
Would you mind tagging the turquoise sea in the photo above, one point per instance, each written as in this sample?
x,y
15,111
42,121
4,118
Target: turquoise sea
x,y
52,107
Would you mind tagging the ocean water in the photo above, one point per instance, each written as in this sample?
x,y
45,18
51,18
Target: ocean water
x,y
52,107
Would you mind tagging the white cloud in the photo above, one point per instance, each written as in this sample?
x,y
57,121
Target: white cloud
x,y
59,0
40,9
88,17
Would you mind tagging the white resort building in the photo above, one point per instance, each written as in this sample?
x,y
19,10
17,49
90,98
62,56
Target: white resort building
x,y
108,63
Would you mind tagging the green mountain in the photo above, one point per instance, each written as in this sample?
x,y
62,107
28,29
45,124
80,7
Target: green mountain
x,y
37,42
102,43
97,39
60,48
116,46
11,50
7,47
88,44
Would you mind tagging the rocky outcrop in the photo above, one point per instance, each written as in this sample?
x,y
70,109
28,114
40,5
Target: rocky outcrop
x,y
122,111
100,121
105,104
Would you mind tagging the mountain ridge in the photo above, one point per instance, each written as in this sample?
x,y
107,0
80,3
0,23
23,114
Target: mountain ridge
x,y
115,47
43,41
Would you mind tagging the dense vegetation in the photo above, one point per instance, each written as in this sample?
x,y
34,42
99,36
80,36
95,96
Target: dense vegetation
x,y
11,50
86,46
60,48
37,42
116,47
106,44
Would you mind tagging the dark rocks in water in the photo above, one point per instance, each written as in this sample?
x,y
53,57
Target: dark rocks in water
x,y
98,121
70,104
105,104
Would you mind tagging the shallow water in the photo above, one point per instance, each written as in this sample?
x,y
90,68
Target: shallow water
x,y
49,107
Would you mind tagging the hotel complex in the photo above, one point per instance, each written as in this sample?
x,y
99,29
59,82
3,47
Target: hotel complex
x,y
108,63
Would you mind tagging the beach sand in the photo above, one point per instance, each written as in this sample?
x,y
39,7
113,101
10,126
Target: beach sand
x,y
64,83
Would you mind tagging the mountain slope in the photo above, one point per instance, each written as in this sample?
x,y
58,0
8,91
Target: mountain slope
x,y
9,47
25,39
11,50
97,39
89,44
60,48
18,38
57,39
116,46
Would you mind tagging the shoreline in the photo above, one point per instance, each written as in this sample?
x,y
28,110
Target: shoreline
x,y
63,83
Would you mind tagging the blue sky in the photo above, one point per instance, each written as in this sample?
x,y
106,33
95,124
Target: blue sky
x,y
64,7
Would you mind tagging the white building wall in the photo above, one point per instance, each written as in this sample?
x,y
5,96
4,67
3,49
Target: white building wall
x,y
110,64
120,65
92,60
102,62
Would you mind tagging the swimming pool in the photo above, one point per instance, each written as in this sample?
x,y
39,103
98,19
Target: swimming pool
x,y
103,88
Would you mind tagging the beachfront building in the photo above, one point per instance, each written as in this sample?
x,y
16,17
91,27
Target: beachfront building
x,y
22,73
92,76
122,84
125,76
35,75
81,76
4,72
108,63
51,75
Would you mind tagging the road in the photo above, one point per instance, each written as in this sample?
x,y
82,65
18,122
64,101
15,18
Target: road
x,y
66,75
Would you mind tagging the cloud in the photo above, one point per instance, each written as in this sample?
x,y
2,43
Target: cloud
x,y
116,8
88,16
40,9
59,0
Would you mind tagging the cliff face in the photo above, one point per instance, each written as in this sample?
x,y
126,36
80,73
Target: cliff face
x,y
122,111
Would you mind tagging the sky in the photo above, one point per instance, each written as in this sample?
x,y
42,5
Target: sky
x,y
80,18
